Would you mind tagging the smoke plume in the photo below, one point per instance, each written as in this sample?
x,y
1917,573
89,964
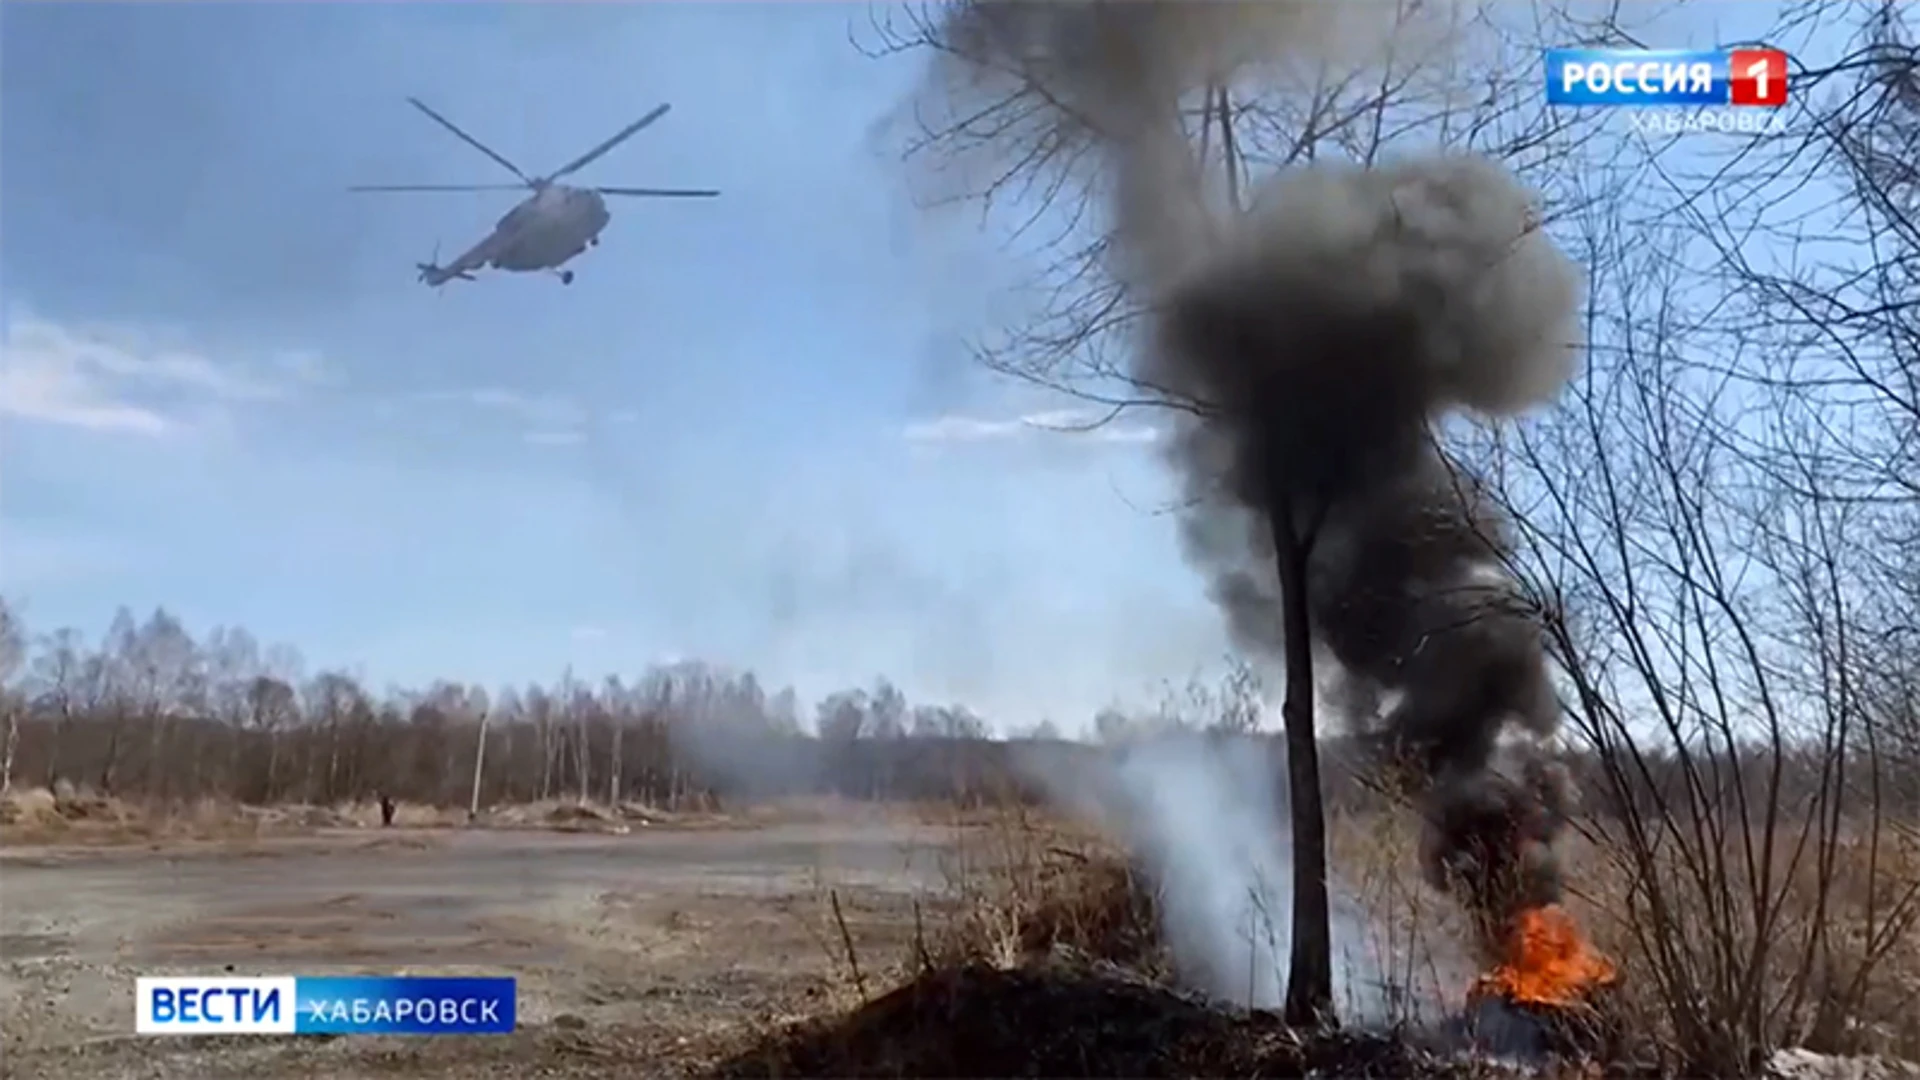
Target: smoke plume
x,y
1318,341
1207,816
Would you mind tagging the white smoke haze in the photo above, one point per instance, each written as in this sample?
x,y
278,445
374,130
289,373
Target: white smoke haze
x,y
1205,815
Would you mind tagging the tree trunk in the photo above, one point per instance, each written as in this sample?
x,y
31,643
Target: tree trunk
x,y
236,786
195,770
507,784
1310,968
60,722
583,749
613,781
156,778
547,756
273,767
306,768
13,742
109,769
333,761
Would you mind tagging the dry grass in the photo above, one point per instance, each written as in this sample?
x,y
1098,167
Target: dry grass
x,y
1865,953
1413,936
1043,956
38,816
1046,944
1844,962
1023,885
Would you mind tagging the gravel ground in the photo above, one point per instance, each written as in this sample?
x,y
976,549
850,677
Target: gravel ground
x,y
653,947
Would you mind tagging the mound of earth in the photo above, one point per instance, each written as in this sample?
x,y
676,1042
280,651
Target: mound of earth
x,y
1058,1020
296,817
43,807
35,806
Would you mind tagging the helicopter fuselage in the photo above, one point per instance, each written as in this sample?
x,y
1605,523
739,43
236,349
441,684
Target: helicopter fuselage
x,y
548,228
543,232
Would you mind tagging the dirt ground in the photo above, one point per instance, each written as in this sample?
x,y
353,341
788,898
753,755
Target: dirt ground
x,y
650,951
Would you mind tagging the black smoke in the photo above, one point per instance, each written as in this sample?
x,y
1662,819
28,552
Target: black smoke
x,y
1318,339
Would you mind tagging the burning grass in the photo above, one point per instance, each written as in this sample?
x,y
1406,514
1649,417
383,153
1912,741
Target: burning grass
x,y
1045,958
1548,963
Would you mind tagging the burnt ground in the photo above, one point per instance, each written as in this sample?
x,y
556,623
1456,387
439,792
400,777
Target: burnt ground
x,y
1071,1018
660,947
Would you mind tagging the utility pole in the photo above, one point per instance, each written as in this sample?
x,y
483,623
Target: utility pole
x,y
479,761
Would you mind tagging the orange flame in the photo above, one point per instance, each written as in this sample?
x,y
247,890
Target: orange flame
x,y
1548,962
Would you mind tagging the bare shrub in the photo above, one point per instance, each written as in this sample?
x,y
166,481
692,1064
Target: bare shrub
x,y
1025,885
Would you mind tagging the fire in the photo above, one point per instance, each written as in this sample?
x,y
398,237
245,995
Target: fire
x,y
1548,962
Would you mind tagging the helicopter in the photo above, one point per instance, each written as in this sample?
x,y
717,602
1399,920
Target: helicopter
x,y
550,226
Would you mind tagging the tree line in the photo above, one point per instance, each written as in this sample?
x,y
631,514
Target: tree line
x,y
151,712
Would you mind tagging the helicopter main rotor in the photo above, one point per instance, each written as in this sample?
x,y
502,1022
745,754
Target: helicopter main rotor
x,y
541,183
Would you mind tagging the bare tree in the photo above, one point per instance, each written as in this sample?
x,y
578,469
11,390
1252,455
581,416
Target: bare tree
x,y
1044,730
12,659
60,677
116,686
233,662
1080,343
271,710
162,663
617,710
1708,527
684,733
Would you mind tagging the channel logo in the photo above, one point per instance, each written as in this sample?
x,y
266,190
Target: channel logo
x,y
1615,78
323,1005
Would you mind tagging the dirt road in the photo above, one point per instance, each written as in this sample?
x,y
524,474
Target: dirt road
x,y
639,947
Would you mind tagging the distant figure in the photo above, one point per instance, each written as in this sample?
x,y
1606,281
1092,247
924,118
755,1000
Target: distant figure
x,y
386,810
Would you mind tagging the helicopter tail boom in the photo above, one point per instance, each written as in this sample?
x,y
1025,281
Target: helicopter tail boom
x,y
438,275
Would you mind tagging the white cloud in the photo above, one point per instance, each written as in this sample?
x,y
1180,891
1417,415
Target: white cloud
x,y
112,379
308,367
588,633
1125,433
1075,423
960,429
548,419
1063,419
34,389
553,409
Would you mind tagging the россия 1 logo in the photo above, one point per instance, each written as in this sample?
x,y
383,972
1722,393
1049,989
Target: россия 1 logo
x,y
1611,78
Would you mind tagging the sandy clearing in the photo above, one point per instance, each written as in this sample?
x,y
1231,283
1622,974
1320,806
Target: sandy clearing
x,y
633,944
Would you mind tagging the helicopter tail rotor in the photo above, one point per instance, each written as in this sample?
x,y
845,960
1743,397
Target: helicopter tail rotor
x,y
430,271
436,275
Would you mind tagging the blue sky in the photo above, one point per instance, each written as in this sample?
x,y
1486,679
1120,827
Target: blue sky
x,y
745,433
